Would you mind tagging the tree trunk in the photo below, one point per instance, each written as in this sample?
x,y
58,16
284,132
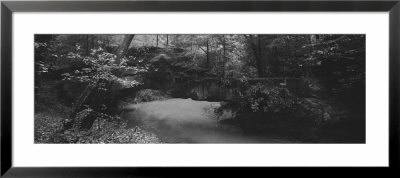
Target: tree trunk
x,y
271,59
313,41
157,40
72,122
126,42
93,42
167,42
87,44
208,58
97,98
264,54
77,106
107,41
224,55
260,62
256,45
104,43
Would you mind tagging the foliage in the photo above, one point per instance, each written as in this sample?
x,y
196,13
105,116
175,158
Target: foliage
x,y
101,67
342,61
40,53
147,95
141,55
51,55
261,98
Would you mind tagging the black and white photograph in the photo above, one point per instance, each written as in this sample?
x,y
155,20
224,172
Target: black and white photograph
x,y
199,88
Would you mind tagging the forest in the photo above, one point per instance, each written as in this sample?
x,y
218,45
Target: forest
x,y
199,88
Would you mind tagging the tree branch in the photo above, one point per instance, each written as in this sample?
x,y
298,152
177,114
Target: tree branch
x,y
203,50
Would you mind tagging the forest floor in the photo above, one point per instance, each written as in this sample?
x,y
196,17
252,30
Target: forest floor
x,y
50,114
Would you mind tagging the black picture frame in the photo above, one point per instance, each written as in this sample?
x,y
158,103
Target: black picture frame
x,y
8,7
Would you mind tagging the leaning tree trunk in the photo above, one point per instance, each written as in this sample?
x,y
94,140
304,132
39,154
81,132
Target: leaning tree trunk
x,y
71,122
77,106
121,50
97,98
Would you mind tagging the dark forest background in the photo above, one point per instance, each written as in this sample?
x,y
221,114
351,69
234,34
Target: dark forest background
x,y
300,88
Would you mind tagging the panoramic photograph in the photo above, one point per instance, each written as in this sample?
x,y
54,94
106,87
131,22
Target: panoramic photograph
x,y
199,88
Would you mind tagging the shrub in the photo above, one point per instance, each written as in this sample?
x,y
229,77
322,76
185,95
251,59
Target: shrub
x,y
147,95
264,98
101,68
